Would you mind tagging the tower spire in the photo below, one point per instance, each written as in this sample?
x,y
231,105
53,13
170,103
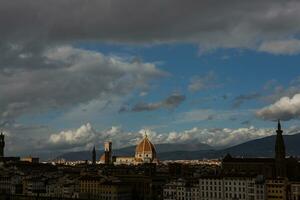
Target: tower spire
x,y
279,126
94,156
280,152
279,145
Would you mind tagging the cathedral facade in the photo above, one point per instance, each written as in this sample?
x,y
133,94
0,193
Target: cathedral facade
x,y
144,153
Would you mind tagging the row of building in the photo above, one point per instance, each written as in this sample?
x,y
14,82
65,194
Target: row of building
x,y
232,187
143,177
57,185
244,178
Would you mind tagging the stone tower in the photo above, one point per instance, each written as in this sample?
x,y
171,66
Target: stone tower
x,y
94,156
108,152
2,145
280,162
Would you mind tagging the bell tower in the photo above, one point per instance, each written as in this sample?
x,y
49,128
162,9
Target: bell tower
x,y
280,153
108,152
94,156
2,145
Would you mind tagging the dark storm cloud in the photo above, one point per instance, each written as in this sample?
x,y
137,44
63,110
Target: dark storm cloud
x,y
239,100
31,29
170,102
211,23
66,76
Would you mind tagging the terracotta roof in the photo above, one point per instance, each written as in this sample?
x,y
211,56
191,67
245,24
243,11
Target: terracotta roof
x,y
145,146
102,158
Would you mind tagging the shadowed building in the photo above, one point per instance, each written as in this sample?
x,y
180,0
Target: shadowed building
x,y
280,161
2,157
277,167
101,187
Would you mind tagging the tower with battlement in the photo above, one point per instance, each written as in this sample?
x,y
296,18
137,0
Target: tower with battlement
x,y
108,152
2,145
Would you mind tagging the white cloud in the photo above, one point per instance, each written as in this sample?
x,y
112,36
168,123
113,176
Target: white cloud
x,y
82,135
218,137
285,109
86,136
274,90
198,83
281,47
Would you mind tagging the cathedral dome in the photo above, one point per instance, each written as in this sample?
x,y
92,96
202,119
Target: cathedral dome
x,y
145,150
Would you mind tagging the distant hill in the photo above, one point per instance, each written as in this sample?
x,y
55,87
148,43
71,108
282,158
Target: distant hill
x,y
129,151
263,147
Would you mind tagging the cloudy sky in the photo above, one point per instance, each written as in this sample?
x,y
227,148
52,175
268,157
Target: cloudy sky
x,y
75,73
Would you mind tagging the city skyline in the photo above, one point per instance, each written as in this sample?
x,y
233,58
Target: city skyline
x,y
108,70
150,100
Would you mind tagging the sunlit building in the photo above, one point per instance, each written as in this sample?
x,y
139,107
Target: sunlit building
x,y
144,153
295,191
276,188
30,159
231,187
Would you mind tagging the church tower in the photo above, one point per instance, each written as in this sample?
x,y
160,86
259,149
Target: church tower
x,y
2,145
94,156
280,163
108,152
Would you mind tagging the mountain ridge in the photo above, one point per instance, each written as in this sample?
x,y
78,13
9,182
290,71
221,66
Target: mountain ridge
x,y
264,147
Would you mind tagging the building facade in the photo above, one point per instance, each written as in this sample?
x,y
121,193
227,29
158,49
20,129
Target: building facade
x,y
181,189
144,153
295,191
102,188
277,189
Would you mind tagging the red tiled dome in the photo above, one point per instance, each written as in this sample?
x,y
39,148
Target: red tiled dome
x,y
145,147
102,158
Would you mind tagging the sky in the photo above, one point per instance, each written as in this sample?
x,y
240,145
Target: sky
x,y
76,73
